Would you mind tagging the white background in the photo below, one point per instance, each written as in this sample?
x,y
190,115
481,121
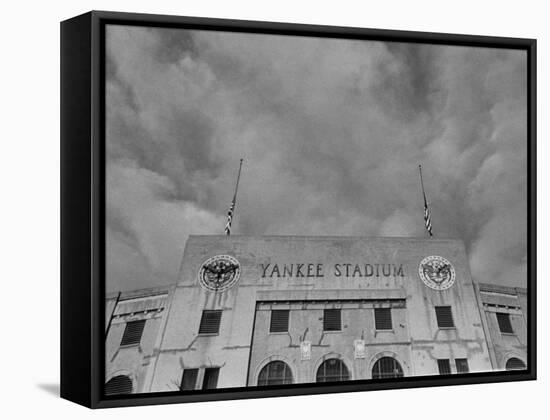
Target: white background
x,y
29,176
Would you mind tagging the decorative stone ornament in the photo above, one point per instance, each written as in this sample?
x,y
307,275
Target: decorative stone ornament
x,y
305,350
360,349
437,272
219,273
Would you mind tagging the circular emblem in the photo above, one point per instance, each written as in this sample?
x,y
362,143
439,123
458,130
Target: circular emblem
x,y
219,273
437,272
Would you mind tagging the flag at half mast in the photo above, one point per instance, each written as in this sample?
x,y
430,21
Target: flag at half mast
x,y
233,202
427,216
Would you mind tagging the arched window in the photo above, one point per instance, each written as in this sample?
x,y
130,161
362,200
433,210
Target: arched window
x,y
332,370
120,384
387,367
275,373
515,364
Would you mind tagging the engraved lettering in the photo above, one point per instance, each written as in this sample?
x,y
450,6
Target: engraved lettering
x,y
275,270
287,272
264,268
398,271
369,271
319,272
347,269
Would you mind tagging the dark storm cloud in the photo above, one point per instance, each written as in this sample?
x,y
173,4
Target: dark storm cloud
x,y
332,132
411,89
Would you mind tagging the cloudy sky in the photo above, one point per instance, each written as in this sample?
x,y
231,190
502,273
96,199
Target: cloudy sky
x,y
332,132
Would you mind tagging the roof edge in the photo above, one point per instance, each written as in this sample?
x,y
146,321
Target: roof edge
x,y
318,237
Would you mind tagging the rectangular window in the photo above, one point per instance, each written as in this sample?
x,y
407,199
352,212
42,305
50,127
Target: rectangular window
x,y
504,323
444,317
444,366
210,322
462,366
382,318
132,333
332,320
279,321
210,378
189,379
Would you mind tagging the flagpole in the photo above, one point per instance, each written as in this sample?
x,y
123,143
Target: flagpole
x,y
112,315
427,217
233,203
238,179
422,183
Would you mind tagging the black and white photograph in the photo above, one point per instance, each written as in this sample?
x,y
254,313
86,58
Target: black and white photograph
x,y
285,210
273,210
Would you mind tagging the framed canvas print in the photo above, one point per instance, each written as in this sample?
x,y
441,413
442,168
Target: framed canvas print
x,y
255,209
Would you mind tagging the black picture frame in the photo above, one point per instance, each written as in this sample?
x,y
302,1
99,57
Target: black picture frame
x,y
83,206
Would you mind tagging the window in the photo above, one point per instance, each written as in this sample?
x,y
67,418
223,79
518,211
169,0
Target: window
x,y
462,366
120,384
382,318
210,322
189,379
275,373
515,364
332,370
444,317
279,321
387,367
210,378
444,366
332,320
132,333
504,323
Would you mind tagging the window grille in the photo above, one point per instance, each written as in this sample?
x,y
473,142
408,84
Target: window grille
x,y
444,317
444,366
210,322
275,373
382,318
515,364
387,367
120,384
332,370
279,321
504,323
210,378
189,379
462,366
332,320
132,333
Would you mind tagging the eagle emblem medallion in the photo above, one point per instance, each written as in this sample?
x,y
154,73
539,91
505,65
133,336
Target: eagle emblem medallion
x,y
437,272
219,273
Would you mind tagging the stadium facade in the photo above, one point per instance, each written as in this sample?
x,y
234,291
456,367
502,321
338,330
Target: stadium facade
x,y
254,311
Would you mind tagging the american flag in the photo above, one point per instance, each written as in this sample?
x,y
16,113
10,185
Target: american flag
x,y
232,206
427,217
229,218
